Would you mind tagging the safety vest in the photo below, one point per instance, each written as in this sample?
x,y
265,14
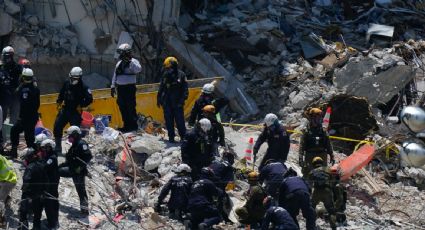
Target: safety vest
x,y
7,174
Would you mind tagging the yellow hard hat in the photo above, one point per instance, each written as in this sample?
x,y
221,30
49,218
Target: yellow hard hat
x,y
169,61
209,108
253,177
317,160
315,111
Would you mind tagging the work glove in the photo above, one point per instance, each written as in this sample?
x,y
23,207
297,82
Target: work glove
x,y
112,91
230,186
58,106
78,170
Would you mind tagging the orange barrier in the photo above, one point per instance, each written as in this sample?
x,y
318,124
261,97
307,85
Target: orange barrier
x,y
355,162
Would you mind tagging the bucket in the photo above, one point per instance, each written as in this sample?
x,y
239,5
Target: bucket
x,y
100,123
87,120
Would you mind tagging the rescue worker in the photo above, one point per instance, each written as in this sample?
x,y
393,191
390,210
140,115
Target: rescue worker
x,y
197,147
321,179
277,216
8,180
38,140
34,185
204,214
294,195
277,139
340,196
206,98
50,161
29,97
173,92
73,96
272,175
179,186
217,130
124,85
314,142
253,211
223,170
75,166
10,72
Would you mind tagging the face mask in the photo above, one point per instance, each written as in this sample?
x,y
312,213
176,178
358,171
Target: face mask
x,y
7,58
71,140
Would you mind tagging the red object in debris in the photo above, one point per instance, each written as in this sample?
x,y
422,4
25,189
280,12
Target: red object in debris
x,y
355,162
327,118
24,62
249,149
87,119
118,217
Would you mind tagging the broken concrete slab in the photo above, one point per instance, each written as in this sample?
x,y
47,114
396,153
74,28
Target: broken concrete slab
x,y
148,144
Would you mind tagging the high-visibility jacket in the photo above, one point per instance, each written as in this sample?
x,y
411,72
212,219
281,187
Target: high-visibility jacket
x,y
7,174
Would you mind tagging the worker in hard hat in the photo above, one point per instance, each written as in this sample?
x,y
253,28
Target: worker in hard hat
x,y
217,130
124,85
197,147
50,163
179,186
29,97
322,181
10,73
34,186
73,96
314,142
38,140
172,94
277,139
253,211
277,216
294,196
8,180
206,98
75,166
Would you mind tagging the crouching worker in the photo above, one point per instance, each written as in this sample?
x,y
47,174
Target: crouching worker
x,y
204,214
253,211
277,216
75,166
34,185
8,180
179,186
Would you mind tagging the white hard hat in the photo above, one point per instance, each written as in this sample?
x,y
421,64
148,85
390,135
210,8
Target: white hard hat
x,y
183,168
124,47
7,49
40,138
27,72
270,119
73,129
208,88
48,142
205,124
76,72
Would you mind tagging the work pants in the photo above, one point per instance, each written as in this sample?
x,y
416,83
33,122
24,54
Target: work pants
x,y
80,186
126,100
64,117
300,200
174,113
27,126
30,206
207,214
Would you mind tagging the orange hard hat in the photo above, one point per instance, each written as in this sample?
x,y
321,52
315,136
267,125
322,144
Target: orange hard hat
x,y
209,108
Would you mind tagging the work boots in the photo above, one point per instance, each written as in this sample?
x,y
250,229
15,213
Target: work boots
x,y
13,153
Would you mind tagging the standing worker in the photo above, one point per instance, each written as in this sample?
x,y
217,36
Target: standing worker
x,y
34,185
73,96
75,166
50,161
206,98
8,180
173,92
217,130
124,84
277,139
10,72
314,142
322,181
29,97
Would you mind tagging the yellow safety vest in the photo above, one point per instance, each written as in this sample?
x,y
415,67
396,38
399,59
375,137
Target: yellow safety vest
x,y
7,174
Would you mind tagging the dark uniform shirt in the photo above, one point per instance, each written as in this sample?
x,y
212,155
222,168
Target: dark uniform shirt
x,y
202,193
78,156
278,141
35,180
75,95
173,89
9,77
196,113
280,219
29,97
197,149
180,190
223,172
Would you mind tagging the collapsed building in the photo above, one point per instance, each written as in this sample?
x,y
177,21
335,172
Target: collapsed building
x,y
364,60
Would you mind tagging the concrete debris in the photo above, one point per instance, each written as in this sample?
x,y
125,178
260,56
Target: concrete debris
x,y
148,144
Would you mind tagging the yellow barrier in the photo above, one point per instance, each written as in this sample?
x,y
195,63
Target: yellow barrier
x,y
103,104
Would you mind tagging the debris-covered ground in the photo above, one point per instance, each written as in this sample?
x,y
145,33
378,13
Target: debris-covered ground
x,y
121,200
